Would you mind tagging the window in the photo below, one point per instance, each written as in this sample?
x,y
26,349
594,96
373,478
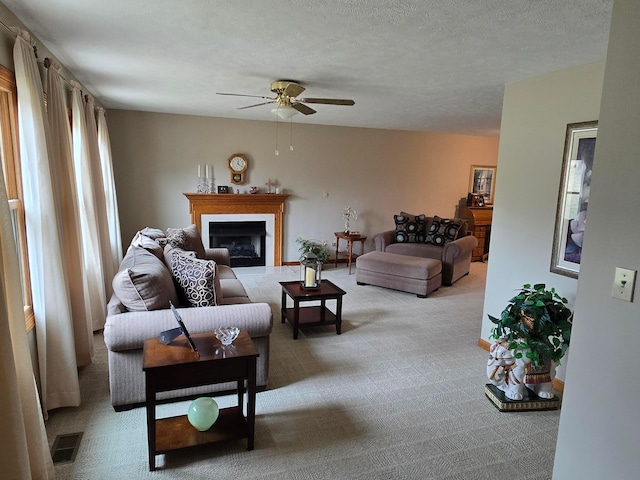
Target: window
x,y
11,169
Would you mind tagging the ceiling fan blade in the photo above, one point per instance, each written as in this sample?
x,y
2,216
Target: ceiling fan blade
x,y
328,101
242,95
293,90
302,108
257,104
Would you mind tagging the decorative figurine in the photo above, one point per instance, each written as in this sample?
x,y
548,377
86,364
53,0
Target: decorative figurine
x,y
348,213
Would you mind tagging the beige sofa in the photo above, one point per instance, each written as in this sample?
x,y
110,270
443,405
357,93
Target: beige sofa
x,y
455,255
139,309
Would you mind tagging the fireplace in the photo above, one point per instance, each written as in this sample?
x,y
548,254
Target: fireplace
x,y
245,241
206,208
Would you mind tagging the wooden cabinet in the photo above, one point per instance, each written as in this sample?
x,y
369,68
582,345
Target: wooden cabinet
x,y
480,227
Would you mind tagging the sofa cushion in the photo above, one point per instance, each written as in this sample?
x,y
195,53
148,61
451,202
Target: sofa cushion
x,y
410,228
149,243
423,250
443,231
143,282
196,278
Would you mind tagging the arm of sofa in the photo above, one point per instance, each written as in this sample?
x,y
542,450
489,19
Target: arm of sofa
x,y
128,331
219,255
383,239
459,248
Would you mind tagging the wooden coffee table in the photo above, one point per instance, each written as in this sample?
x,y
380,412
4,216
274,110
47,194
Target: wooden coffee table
x,y
313,316
176,365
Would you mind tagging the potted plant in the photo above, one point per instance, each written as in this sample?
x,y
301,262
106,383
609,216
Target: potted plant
x,y
536,321
319,249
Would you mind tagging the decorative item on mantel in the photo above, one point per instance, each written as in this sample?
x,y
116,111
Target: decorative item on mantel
x,y
310,271
254,190
205,184
270,184
531,336
348,214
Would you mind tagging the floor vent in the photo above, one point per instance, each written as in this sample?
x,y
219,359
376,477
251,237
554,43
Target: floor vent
x,y
65,447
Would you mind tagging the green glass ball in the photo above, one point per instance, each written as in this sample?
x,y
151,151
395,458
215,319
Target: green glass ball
x,y
203,413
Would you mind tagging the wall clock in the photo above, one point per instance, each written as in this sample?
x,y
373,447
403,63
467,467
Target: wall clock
x,y
238,165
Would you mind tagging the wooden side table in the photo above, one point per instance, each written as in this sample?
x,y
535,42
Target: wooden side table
x,y
174,366
350,238
318,315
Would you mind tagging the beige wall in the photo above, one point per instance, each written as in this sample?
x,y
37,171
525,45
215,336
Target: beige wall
x,y
599,435
534,121
376,172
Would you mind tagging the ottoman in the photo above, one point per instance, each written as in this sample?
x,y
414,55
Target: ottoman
x,y
417,275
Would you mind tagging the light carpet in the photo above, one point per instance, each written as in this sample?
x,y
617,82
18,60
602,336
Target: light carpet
x,y
399,395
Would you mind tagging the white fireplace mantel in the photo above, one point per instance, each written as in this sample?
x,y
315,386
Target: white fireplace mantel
x,y
208,204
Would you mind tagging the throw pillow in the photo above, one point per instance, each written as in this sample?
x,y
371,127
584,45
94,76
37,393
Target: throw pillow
x,y
196,278
442,231
194,240
148,243
410,228
143,282
177,238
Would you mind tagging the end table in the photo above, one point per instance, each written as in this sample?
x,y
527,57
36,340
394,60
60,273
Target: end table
x,y
350,238
174,366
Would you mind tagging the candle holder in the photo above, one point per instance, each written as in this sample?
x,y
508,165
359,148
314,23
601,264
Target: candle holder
x,y
205,185
310,271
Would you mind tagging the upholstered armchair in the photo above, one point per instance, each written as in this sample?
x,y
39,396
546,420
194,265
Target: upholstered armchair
x,y
455,255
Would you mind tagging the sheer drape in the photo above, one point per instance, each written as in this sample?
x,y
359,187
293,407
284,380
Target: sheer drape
x,y
51,306
91,238
65,185
99,194
113,219
25,451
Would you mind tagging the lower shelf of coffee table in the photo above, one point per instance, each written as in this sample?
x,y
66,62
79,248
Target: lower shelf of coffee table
x,y
311,316
173,433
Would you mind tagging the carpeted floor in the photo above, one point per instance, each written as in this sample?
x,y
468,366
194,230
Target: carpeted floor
x,y
399,395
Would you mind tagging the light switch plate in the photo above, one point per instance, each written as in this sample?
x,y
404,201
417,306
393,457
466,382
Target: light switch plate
x,y
624,283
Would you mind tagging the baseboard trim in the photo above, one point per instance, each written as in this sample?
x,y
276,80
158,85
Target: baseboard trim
x,y
557,385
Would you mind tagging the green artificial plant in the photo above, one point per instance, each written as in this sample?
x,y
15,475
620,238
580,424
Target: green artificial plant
x,y
319,249
537,321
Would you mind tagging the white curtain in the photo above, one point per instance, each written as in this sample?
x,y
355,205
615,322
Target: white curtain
x,y
51,306
65,185
100,200
113,219
25,451
89,220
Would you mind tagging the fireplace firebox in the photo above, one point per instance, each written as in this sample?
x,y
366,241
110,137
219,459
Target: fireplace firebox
x,y
244,240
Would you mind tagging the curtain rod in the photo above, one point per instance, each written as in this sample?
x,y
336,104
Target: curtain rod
x,y
47,63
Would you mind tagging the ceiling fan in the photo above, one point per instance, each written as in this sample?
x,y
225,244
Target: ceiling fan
x,y
288,105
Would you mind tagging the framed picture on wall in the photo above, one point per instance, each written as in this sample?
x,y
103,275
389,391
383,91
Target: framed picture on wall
x,y
573,198
482,182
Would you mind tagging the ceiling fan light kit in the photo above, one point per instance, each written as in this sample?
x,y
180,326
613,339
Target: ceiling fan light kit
x,y
285,112
288,105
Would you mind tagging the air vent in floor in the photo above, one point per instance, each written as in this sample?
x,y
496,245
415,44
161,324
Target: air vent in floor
x,y
65,447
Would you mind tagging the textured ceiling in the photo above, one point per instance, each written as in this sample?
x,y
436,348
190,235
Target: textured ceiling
x,y
423,65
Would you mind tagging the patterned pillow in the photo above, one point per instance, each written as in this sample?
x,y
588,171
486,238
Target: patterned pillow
x,y
177,238
443,231
410,228
196,278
